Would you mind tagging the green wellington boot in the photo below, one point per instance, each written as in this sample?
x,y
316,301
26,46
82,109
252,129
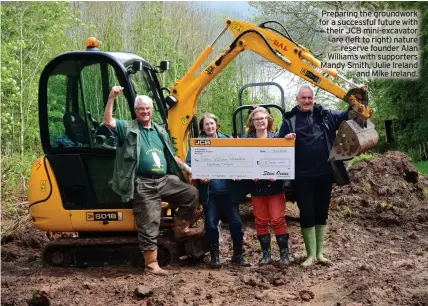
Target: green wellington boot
x,y
310,244
320,234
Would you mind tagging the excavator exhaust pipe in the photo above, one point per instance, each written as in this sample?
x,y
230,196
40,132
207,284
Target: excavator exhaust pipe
x,y
355,136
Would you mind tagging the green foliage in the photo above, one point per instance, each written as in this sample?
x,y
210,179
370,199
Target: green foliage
x,y
32,33
56,106
347,211
425,193
414,154
365,157
386,205
34,296
422,167
15,174
404,101
14,179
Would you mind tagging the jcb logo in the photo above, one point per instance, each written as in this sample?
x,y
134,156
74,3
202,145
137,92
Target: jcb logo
x,y
202,142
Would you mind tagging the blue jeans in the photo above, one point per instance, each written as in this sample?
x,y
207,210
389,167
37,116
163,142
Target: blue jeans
x,y
218,205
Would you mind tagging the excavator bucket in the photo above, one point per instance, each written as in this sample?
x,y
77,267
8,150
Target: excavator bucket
x,y
356,135
353,139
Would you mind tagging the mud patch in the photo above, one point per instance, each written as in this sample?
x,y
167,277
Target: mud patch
x,y
387,191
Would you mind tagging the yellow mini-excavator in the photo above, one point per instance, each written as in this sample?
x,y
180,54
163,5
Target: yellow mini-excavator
x,y
70,186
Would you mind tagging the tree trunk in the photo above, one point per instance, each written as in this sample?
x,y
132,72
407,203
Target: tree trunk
x,y
21,88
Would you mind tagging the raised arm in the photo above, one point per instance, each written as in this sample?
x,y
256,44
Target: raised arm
x,y
109,121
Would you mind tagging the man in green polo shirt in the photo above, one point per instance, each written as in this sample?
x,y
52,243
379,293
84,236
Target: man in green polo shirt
x,y
147,171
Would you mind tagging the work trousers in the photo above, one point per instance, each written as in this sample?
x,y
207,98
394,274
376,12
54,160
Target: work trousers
x,y
148,196
217,206
313,198
269,209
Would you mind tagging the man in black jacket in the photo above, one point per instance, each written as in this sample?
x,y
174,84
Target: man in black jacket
x,y
314,129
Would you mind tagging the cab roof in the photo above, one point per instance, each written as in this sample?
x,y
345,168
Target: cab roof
x,y
86,58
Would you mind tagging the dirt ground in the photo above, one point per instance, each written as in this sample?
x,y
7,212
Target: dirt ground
x,y
377,239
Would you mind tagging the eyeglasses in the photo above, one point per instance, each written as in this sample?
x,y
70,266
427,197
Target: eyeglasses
x,y
259,119
142,109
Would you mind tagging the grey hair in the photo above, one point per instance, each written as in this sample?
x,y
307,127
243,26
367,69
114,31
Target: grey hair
x,y
306,87
141,99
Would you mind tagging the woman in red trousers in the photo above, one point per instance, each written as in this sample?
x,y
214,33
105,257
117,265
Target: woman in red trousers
x,y
267,196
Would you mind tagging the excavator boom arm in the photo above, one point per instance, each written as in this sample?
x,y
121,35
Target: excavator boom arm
x,y
269,44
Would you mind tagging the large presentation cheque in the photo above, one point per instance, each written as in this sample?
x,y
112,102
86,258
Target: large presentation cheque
x,y
242,158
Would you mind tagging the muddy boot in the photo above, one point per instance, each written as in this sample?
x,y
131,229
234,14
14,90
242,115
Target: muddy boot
x,y
310,244
182,230
320,234
238,256
215,256
282,241
199,212
151,263
265,245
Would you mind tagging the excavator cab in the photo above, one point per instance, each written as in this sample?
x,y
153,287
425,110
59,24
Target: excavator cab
x,y
80,150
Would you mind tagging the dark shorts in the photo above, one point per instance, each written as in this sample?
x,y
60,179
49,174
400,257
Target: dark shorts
x,y
313,196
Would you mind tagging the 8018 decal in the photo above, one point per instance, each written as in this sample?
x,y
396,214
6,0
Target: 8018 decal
x,y
104,216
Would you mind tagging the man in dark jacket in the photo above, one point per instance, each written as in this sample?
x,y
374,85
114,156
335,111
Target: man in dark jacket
x,y
314,129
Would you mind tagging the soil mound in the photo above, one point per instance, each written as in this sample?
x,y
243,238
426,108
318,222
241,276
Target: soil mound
x,y
387,191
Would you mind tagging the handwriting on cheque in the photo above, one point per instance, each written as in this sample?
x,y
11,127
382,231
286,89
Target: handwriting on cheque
x,y
224,161
275,162
223,158
273,151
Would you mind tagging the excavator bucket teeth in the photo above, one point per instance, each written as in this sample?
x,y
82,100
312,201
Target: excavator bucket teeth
x,y
352,140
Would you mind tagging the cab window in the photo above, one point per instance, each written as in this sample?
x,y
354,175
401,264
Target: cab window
x,y
76,96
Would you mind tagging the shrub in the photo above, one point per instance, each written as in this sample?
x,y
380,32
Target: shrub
x,y
365,157
14,179
422,167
